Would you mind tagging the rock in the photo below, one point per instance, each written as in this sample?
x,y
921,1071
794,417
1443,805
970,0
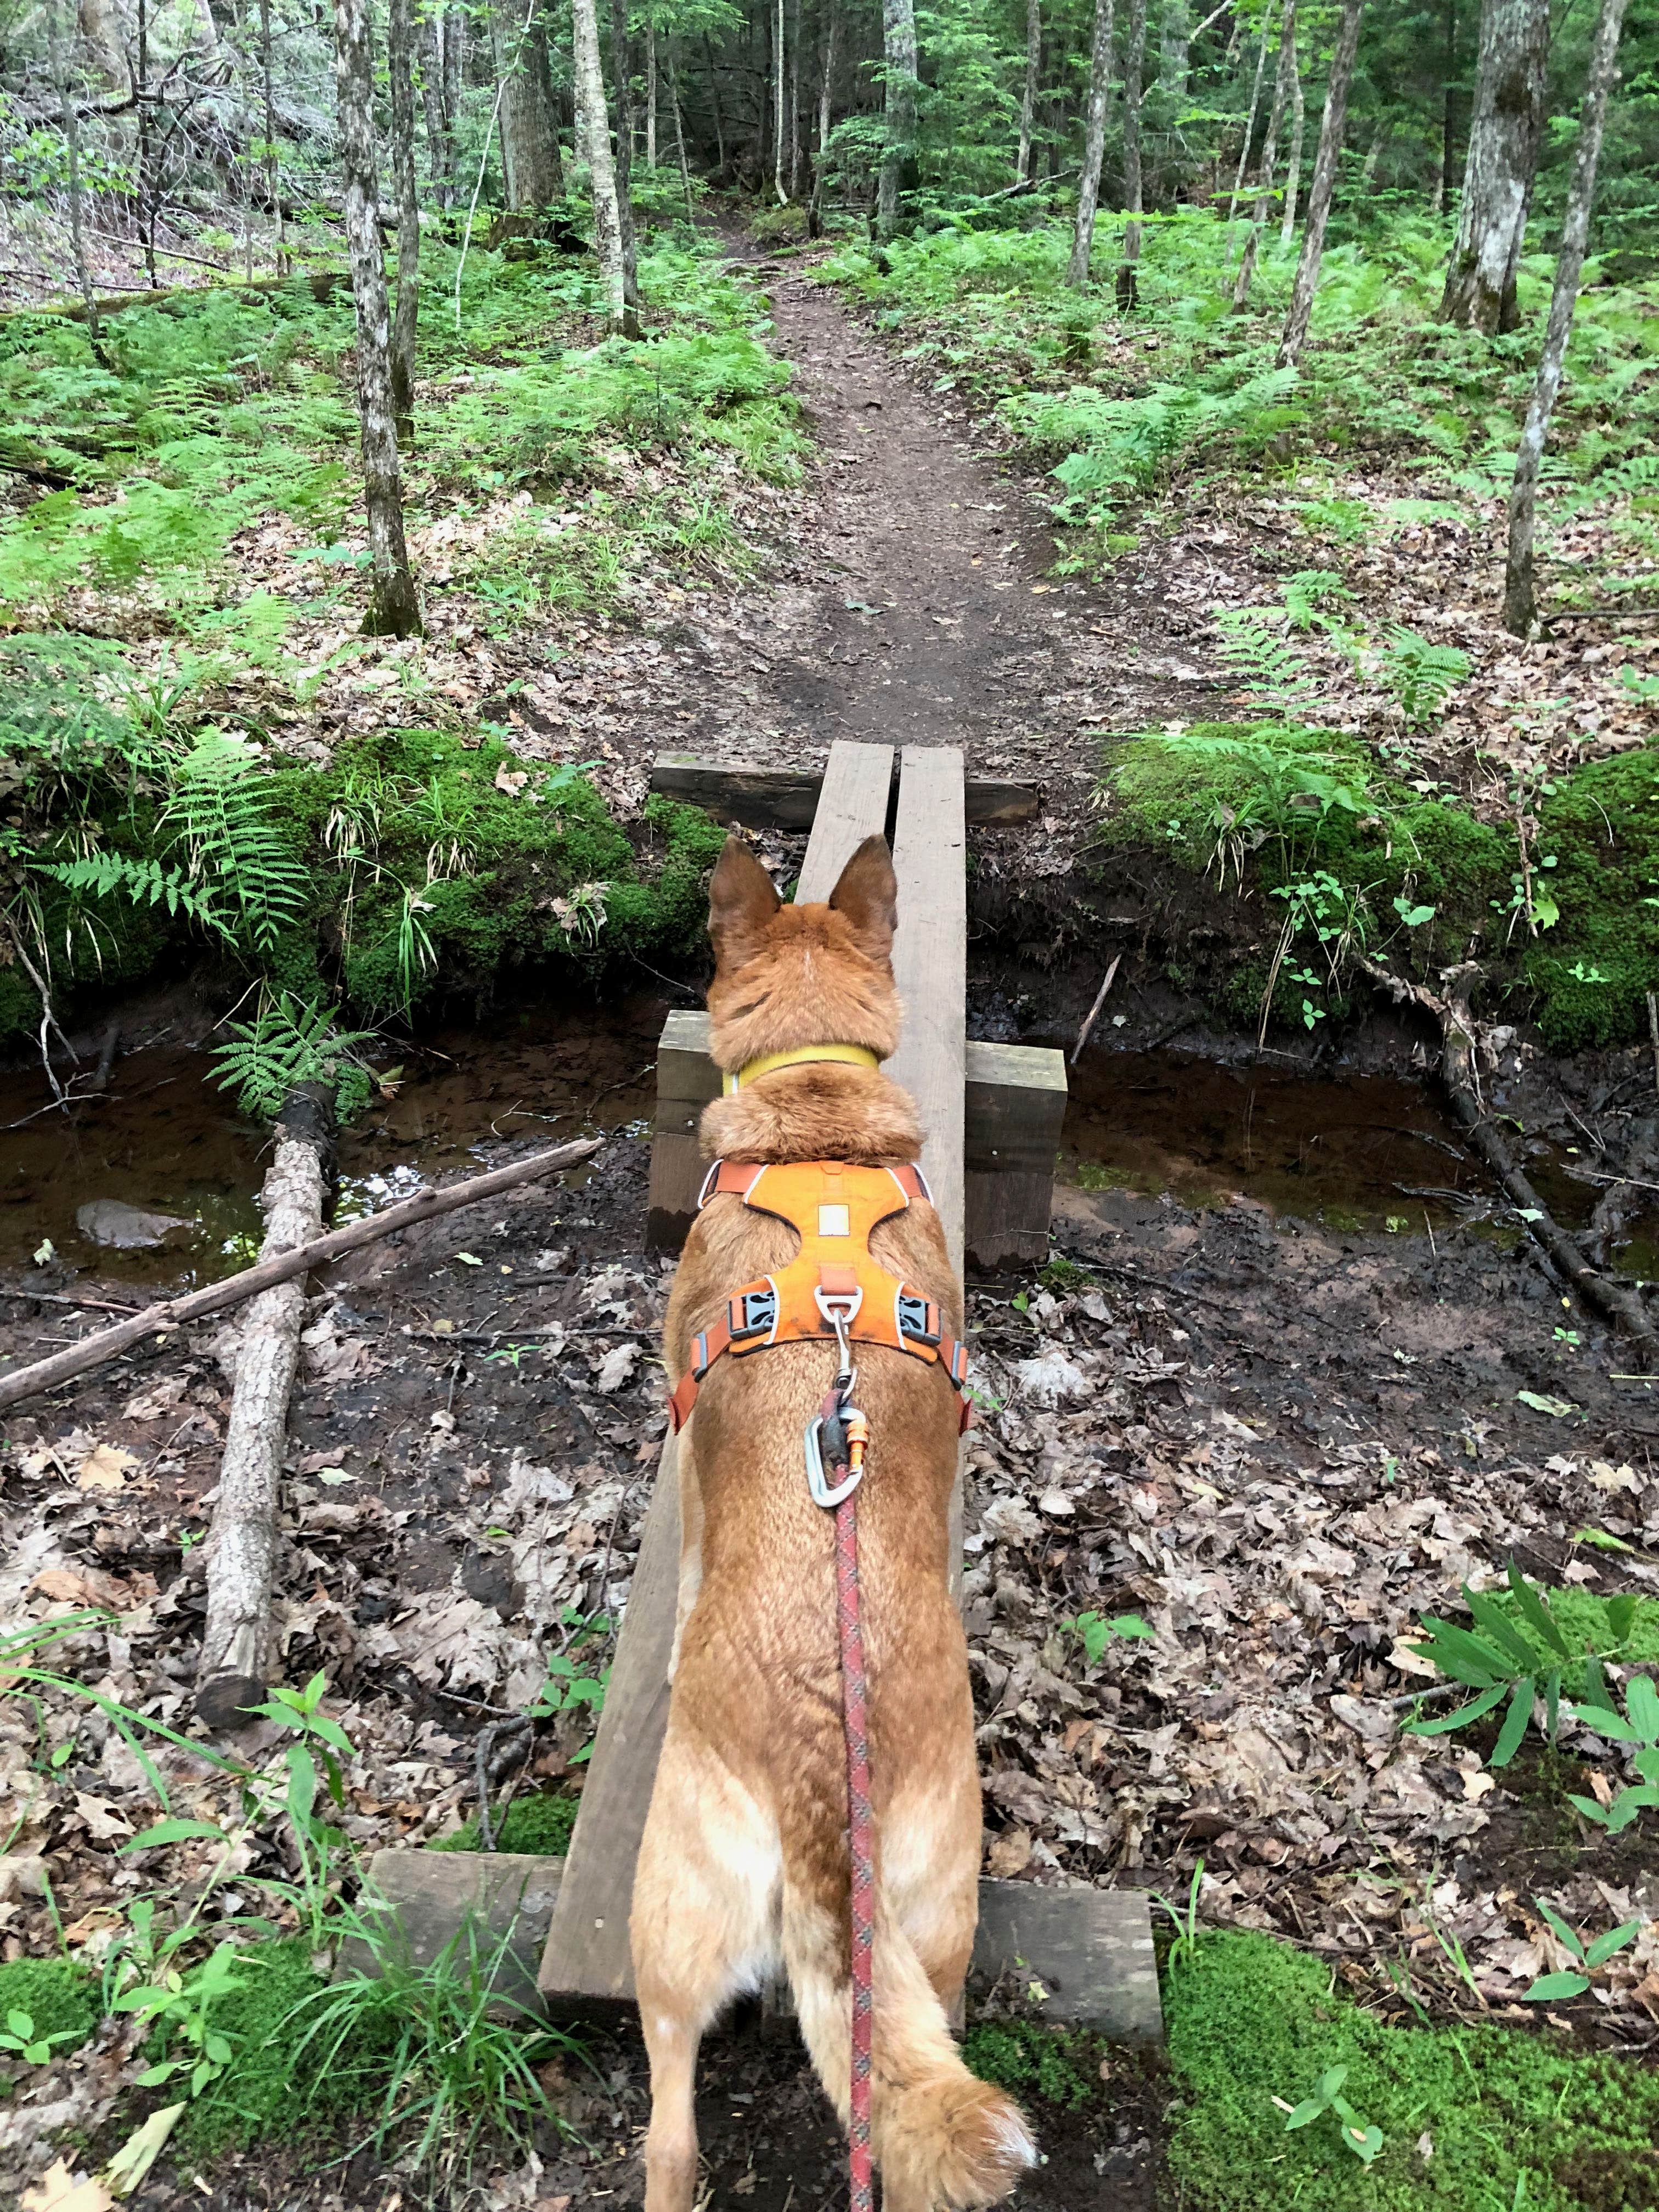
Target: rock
x,y
128,1228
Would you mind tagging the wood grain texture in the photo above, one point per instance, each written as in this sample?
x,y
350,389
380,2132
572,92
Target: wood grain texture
x,y
787,797
930,965
1090,1950
851,806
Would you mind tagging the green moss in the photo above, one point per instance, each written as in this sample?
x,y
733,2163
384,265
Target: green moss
x,y
541,1823
59,1999
1060,2065
1583,1619
1592,970
1250,2020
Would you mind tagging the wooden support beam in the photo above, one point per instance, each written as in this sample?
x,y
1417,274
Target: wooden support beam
x,y
1013,1107
930,966
787,797
587,1954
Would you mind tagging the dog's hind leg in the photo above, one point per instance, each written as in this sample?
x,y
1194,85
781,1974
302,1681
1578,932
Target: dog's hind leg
x,y
704,1927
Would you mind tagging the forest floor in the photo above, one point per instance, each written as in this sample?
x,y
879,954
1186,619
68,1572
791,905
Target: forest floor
x,y
1279,1431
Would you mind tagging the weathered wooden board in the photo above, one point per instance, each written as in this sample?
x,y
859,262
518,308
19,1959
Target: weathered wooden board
x,y
588,1953
1013,1105
787,797
1089,1951
930,965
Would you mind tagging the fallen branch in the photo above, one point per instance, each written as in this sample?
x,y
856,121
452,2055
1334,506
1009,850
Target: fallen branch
x,y
1093,1014
232,1671
1613,1301
94,1351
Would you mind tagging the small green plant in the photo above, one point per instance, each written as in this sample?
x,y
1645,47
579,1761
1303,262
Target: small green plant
x,y
177,2006
1184,1917
1356,2137
1420,676
1559,1987
289,1043
1095,1632
20,2040
1638,1724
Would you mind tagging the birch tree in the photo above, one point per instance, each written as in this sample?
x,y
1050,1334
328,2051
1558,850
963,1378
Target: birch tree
x,y
622,65
1332,130
1506,131
394,610
1094,145
594,119
815,206
777,106
1282,75
1520,599
1133,184
1293,166
400,71
898,160
1028,103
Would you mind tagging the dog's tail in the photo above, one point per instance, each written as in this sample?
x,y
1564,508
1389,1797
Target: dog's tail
x,y
942,2138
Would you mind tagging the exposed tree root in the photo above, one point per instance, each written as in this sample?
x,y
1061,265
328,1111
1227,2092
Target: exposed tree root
x,y
1460,1074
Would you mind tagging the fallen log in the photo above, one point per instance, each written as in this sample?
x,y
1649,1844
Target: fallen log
x,y
93,1351
1459,1074
233,1669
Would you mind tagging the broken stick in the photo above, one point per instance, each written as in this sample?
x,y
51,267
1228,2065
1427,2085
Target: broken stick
x,y
93,1351
232,1672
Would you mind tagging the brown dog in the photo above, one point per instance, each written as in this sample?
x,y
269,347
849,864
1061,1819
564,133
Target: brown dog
x,y
744,1863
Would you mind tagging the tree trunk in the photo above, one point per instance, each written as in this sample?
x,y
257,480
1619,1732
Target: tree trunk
x,y
454,77
58,48
714,102
794,100
1094,145
234,1671
777,106
400,70
1282,78
146,208
651,94
1133,187
1033,75
530,140
815,211
622,63
1505,133
1293,167
596,126
679,128
1249,125
1520,602
1324,188
898,160
394,610
273,166
1447,179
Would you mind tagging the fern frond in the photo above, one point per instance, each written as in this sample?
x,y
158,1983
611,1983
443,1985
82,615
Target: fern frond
x,y
143,882
222,813
1271,669
288,1041
1421,676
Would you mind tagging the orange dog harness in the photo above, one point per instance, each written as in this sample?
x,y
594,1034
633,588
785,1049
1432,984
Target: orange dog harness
x,y
833,1288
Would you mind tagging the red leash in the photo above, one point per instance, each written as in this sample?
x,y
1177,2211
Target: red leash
x,y
835,1465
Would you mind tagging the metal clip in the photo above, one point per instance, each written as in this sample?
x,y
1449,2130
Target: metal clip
x,y
823,1493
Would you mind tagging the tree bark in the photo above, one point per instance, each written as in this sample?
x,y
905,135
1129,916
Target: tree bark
x,y
1520,600
530,140
1249,124
234,1671
651,94
58,48
898,160
172,1313
1324,188
146,208
454,76
394,610
794,100
273,166
400,70
1293,167
595,120
777,105
714,103
815,211
679,129
622,63
1094,145
1282,79
1507,131
1133,184
1033,76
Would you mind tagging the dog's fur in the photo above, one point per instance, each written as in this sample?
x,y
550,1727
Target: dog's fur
x,y
744,1859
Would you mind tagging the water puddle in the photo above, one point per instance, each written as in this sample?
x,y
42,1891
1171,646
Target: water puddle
x,y
1357,1153
166,1140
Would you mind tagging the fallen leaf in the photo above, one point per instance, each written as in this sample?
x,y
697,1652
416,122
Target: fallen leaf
x,y
1614,1478
470,1259
1010,1854
59,2191
105,1467
616,1366
1558,1408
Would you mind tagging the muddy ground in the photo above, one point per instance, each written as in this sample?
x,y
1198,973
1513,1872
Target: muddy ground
x,y
1278,1418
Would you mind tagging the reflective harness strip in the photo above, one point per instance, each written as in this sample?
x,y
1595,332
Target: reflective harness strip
x,y
834,1287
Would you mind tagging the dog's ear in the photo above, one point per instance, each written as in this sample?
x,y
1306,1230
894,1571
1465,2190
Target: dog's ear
x,y
867,895
742,900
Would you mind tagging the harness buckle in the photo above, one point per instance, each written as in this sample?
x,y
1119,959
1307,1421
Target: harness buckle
x,y
753,1314
913,1318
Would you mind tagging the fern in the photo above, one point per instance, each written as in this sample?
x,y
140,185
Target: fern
x,y
222,816
1421,677
144,882
288,1041
1309,590
1273,672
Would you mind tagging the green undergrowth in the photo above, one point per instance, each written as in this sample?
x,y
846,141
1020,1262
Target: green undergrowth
x,y
1325,835
1583,1619
1056,2065
540,1824
1474,2118
59,1999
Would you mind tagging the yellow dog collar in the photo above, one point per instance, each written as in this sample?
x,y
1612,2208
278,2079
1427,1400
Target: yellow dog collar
x,y
856,1055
